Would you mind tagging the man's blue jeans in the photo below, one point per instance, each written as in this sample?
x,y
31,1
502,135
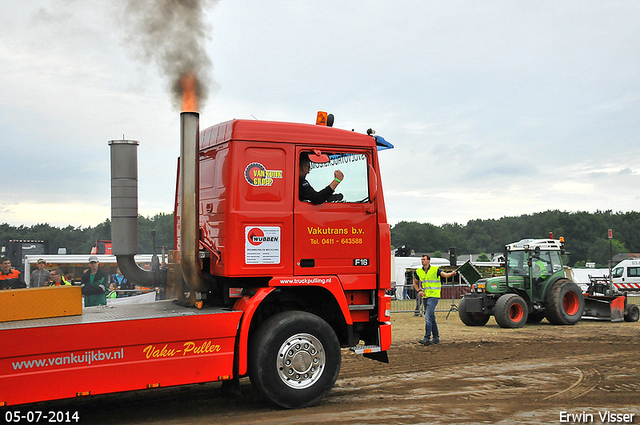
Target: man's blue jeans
x,y
430,327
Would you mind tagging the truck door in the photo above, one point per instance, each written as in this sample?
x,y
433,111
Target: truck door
x,y
338,236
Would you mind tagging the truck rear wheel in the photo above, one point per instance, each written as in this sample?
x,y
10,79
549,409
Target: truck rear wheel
x,y
631,314
565,304
511,311
294,359
469,318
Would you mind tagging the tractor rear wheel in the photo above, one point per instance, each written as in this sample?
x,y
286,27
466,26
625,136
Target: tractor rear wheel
x,y
469,318
631,313
565,303
511,311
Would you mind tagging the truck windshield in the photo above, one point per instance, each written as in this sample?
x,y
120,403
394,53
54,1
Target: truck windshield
x,y
354,186
617,272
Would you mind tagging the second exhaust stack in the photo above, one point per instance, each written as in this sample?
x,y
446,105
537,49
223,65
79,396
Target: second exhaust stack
x,y
124,211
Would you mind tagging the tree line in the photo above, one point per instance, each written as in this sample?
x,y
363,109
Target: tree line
x,y
585,234
78,240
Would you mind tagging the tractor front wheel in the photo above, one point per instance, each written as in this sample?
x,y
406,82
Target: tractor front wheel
x,y
511,311
469,318
565,304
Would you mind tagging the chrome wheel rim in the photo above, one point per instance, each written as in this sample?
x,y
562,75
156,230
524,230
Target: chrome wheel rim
x,y
301,361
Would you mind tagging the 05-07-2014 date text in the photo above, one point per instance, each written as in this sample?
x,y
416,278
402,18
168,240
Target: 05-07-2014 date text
x,y
39,416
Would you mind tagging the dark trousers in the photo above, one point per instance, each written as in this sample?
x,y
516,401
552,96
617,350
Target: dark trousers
x,y
430,327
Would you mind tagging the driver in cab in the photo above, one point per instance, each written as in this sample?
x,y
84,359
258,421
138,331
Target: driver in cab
x,y
308,193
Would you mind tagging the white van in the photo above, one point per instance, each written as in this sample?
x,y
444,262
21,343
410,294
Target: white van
x,y
626,275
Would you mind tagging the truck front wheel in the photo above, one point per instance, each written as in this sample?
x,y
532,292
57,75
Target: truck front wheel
x,y
511,311
469,318
565,304
294,359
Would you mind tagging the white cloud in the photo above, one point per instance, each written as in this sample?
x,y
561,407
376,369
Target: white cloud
x,y
573,187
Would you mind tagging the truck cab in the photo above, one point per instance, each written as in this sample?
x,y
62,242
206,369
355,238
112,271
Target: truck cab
x,y
257,234
253,223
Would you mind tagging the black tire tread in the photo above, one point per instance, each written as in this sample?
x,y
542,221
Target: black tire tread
x,y
263,349
501,311
471,319
632,313
554,310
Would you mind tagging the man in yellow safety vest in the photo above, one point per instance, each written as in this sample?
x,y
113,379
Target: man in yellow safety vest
x,y
57,279
426,281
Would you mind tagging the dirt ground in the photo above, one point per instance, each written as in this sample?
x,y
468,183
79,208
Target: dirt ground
x,y
476,375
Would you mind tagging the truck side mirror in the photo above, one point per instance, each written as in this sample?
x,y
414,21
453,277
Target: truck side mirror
x,y
373,183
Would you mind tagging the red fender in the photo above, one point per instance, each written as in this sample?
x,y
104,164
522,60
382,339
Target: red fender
x,y
330,283
248,305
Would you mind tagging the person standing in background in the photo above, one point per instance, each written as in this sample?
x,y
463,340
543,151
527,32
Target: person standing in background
x,y
57,279
10,278
39,276
95,284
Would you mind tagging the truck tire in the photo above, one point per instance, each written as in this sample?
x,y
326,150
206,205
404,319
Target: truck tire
x,y
294,359
511,311
631,314
535,317
471,319
565,303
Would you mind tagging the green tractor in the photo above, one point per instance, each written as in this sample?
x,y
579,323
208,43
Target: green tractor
x,y
533,287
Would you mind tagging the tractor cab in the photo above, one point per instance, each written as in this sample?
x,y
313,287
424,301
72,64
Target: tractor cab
x,y
531,263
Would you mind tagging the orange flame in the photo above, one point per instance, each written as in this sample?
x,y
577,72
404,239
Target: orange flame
x,y
189,95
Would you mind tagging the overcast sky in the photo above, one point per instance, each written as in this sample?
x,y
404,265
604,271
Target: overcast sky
x,y
495,108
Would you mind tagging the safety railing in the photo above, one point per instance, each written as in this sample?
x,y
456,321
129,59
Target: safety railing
x,y
403,298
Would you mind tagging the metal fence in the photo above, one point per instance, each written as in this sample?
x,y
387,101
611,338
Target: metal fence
x,y
403,298
633,298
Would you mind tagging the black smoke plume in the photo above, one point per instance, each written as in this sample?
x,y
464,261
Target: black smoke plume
x,y
172,34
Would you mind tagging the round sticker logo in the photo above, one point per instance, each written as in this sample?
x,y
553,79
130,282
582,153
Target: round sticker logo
x,y
257,174
255,236
254,171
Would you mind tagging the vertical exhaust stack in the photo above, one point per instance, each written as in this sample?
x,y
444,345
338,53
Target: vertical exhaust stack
x,y
189,187
124,211
189,202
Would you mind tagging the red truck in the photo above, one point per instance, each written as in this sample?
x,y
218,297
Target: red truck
x,y
266,285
